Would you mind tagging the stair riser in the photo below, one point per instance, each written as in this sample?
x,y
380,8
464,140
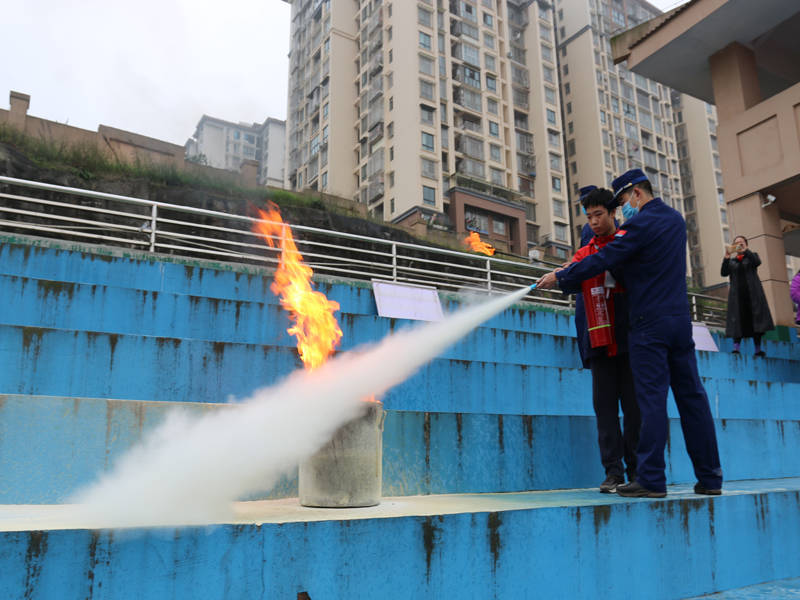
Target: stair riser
x,y
636,549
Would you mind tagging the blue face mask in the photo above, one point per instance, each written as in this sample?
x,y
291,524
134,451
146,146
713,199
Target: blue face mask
x,y
628,211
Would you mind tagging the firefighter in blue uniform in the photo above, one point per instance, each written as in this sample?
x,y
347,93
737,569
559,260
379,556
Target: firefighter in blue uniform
x,y
649,255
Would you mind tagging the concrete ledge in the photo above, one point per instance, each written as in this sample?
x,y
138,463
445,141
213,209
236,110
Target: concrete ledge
x,y
509,545
49,447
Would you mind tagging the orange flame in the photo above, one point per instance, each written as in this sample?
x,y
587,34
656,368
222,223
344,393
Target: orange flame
x,y
316,328
473,240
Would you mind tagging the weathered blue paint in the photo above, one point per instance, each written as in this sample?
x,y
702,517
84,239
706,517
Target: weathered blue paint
x,y
88,364
49,447
567,547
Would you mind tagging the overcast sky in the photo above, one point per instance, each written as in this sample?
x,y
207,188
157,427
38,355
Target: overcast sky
x,y
152,67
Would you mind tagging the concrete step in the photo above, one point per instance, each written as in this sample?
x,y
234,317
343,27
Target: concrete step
x,y
771,590
63,362
51,446
569,544
141,272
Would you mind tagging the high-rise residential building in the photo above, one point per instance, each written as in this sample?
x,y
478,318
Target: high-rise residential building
x,y
224,145
706,212
431,109
615,120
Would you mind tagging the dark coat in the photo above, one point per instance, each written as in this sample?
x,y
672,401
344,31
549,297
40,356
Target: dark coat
x,y
748,311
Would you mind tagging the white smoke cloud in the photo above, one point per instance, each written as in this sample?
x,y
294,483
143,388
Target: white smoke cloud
x,y
190,469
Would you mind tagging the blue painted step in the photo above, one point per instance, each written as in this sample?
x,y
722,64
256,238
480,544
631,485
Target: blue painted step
x,y
529,545
50,446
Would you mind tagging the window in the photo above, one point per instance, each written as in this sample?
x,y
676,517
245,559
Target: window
x,y
555,162
556,183
547,73
558,208
554,139
488,61
324,180
425,89
488,40
488,20
567,89
423,17
551,116
494,129
468,11
426,115
544,32
427,141
560,231
549,95
499,226
428,195
424,40
470,54
547,54
425,65
497,176
494,152
428,168
325,111
491,83
491,106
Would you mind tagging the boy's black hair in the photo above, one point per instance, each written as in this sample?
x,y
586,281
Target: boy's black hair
x,y
646,186
600,197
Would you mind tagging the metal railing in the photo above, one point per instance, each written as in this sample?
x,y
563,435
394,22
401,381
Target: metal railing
x,y
75,214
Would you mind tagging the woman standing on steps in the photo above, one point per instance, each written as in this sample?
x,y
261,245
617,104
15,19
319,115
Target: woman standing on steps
x,y
748,312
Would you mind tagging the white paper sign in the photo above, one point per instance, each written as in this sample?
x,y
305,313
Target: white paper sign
x,y
702,338
404,301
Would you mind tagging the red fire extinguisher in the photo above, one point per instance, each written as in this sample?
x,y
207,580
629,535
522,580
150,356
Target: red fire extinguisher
x,y
596,302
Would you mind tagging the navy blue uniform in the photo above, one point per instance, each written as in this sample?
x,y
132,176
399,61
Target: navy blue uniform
x,y
649,255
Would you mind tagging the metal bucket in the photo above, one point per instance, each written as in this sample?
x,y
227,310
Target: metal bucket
x,y
347,471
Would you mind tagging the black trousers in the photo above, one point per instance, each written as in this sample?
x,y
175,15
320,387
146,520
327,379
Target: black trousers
x,y
612,386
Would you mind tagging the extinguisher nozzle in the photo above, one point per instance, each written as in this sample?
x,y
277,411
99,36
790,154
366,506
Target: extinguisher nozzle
x,y
533,286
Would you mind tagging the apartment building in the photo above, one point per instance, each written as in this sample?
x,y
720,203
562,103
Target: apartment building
x,y
615,120
225,145
707,224
446,111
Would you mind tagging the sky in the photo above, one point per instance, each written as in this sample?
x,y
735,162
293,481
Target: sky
x,y
153,67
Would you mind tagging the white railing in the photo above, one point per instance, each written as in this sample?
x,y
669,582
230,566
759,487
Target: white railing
x,y
76,214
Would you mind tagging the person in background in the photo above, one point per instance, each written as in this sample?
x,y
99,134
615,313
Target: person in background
x,y
649,252
612,381
794,291
748,311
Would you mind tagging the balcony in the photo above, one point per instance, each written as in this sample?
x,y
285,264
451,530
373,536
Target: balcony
x,y
484,187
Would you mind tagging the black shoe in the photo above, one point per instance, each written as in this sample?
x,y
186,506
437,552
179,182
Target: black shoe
x,y
637,490
609,485
699,489
760,353
735,352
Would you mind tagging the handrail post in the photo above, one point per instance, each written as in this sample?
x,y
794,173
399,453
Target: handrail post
x,y
153,220
489,274
394,261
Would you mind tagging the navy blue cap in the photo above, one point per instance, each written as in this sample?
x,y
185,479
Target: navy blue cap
x,y
584,191
627,180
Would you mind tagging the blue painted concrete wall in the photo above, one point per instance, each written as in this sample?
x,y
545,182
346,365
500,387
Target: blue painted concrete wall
x,y
49,447
644,549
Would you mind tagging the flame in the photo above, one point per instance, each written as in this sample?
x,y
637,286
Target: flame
x,y
311,313
473,240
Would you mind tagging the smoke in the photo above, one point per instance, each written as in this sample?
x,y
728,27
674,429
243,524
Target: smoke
x,y
189,470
